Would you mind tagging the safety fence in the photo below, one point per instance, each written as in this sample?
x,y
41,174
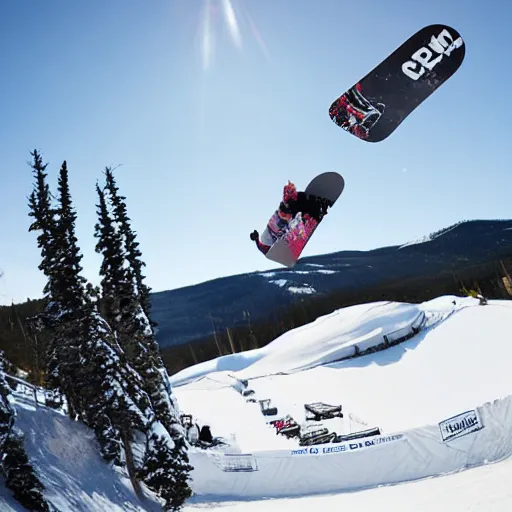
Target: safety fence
x,y
467,439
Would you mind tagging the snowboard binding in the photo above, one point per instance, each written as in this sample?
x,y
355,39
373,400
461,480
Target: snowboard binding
x,y
318,207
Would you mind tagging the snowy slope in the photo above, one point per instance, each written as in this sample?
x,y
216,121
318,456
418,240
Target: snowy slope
x,y
328,338
67,460
483,489
457,362
460,363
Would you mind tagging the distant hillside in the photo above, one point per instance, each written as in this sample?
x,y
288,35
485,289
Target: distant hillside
x,y
188,313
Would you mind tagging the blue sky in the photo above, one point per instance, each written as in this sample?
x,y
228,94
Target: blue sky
x,y
205,150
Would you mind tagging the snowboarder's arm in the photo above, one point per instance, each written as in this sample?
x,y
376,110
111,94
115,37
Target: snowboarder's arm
x,y
255,237
262,247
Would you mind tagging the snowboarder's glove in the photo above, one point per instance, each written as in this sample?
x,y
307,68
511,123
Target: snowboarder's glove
x,y
254,235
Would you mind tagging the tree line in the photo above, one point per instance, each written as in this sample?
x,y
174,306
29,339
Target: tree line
x,y
95,346
493,279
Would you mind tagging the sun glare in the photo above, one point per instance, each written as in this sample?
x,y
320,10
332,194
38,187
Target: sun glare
x,y
232,23
230,13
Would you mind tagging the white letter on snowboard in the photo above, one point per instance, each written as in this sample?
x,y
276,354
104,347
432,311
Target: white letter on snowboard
x,y
443,44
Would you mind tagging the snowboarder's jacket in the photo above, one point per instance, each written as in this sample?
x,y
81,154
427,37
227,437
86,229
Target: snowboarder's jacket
x,y
279,221
293,202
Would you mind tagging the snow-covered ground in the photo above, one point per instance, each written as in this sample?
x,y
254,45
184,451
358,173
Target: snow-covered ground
x,y
329,338
483,489
457,362
66,458
460,360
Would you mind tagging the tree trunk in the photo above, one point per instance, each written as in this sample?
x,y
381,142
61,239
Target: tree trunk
x,y
130,465
193,354
230,338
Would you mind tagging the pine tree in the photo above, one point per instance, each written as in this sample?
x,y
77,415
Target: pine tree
x,y
109,368
115,402
40,203
89,366
6,410
43,213
115,283
166,471
122,279
181,469
67,306
20,477
71,285
19,474
134,327
133,253
60,260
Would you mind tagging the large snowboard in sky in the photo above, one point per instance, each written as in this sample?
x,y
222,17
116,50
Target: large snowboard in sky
x,y
376,105
295,236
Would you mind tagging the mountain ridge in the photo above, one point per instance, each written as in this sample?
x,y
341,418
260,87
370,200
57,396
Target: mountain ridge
x,y
192,312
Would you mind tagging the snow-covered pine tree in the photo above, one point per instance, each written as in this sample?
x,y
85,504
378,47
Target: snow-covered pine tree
x,y
117,287
122,407
101,387
42,212
115,280
133,253
116,404
122,279
64,290
6,410
148,361
20,477
19,474
69,293
161,461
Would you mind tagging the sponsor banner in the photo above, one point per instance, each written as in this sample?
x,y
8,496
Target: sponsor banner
x,y
357,444
460,425
234,462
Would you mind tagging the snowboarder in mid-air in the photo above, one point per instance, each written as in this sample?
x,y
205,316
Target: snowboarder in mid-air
x,y
293,202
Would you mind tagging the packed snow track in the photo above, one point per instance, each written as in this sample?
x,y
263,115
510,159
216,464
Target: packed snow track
x,y
439,399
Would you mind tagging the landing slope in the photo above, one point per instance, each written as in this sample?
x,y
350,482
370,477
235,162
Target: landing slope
x,y
457,361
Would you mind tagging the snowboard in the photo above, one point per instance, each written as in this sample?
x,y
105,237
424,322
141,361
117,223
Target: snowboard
x,y
287,249
376,105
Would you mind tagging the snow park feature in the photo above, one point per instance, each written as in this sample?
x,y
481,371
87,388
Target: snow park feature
x,y
433,398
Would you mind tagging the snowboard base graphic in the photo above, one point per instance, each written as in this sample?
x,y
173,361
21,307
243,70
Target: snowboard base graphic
x,y
287,249
376,105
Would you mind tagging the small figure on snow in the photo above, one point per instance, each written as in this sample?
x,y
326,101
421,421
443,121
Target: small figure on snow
x,y
477,295
293,203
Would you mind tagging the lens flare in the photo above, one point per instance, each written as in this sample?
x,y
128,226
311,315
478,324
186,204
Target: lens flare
x,y
234,16
232,23
207,39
